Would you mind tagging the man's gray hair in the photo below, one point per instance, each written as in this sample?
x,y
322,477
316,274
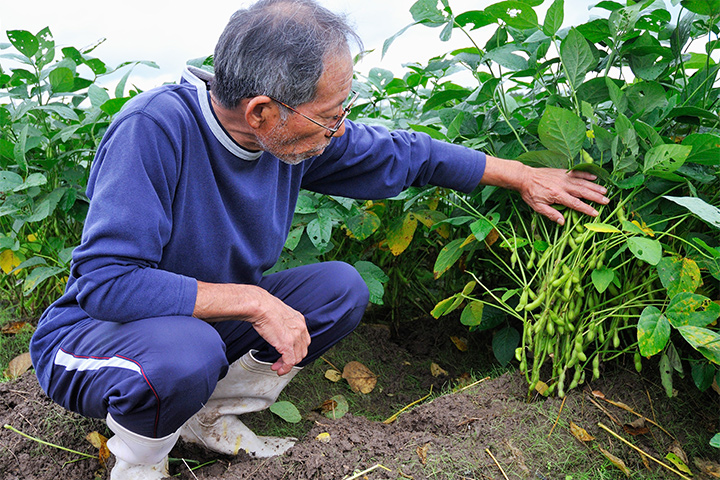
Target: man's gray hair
x,y
277,48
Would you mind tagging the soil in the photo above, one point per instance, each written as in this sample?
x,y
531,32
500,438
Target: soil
x,y
486,430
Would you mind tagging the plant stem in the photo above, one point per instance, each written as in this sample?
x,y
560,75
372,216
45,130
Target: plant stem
x,y
13,429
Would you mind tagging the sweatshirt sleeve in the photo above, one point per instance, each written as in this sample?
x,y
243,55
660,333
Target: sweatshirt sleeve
x,y
131,186
371,163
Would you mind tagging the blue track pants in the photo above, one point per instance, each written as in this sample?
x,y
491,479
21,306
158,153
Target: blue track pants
x,y
154,374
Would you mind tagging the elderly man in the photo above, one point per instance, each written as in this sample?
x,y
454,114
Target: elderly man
x,y
168,327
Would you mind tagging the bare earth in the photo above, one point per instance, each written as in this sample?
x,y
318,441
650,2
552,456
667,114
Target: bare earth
x,y
486,431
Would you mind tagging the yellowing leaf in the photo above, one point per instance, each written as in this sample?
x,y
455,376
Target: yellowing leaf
x,y
677,461
32,238
359,377
333,375
99,441
323,437
580,433
460,343
616,461
541,387
18,365
643,226
401,234
8,261
437,370
601,227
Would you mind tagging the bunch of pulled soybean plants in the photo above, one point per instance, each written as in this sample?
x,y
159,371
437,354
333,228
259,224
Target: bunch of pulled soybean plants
x,y
632,97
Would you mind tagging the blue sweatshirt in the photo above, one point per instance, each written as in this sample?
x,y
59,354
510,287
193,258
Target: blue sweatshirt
x,y
175,200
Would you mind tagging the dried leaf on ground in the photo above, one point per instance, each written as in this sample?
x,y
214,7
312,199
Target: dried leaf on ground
x,y
598,394
580,433
678,450
13,328
518,456
18,365
636,428
323,437
422,453
460,343
437,370
99,441
360,378
333,375
616,461
708,467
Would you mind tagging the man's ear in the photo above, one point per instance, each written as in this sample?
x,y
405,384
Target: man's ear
x,y
260,111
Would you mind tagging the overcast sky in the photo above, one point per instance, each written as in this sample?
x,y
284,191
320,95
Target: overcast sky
x,y
169,35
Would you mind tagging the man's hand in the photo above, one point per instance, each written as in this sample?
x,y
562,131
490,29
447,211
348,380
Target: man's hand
x,y
543,187
280,325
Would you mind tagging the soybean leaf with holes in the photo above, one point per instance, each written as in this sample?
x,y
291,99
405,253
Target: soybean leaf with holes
x,y
645,249
679,274
692,309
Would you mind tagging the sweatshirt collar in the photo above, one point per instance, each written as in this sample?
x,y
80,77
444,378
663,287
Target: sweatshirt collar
x,y
199,79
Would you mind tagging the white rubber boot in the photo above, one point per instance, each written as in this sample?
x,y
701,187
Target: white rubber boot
x,y
138,457
249,386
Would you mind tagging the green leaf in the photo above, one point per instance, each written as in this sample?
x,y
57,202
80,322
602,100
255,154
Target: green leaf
x,y
97,95
287,411
715,441
577,58
602,278
447,257
666,374
427,11
562,131
25,42
679,274
705,147
374,278
504,343
544,158
482,227
37,276
505,57
666,158
554,18
703,340
363,224
446,306
702,374
516,14
341,407
699,207
320,230
645,249
9,181
703,7
472,314
433,132
61,79
692,309
593,168
390,40
294,237
653,331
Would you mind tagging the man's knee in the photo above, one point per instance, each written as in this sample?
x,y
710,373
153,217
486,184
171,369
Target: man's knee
x,y
344,281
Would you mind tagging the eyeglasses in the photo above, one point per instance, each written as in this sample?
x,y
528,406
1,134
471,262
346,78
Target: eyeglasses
x,y
340,120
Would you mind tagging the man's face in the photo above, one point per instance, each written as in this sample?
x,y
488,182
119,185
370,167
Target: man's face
x,y
295,138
